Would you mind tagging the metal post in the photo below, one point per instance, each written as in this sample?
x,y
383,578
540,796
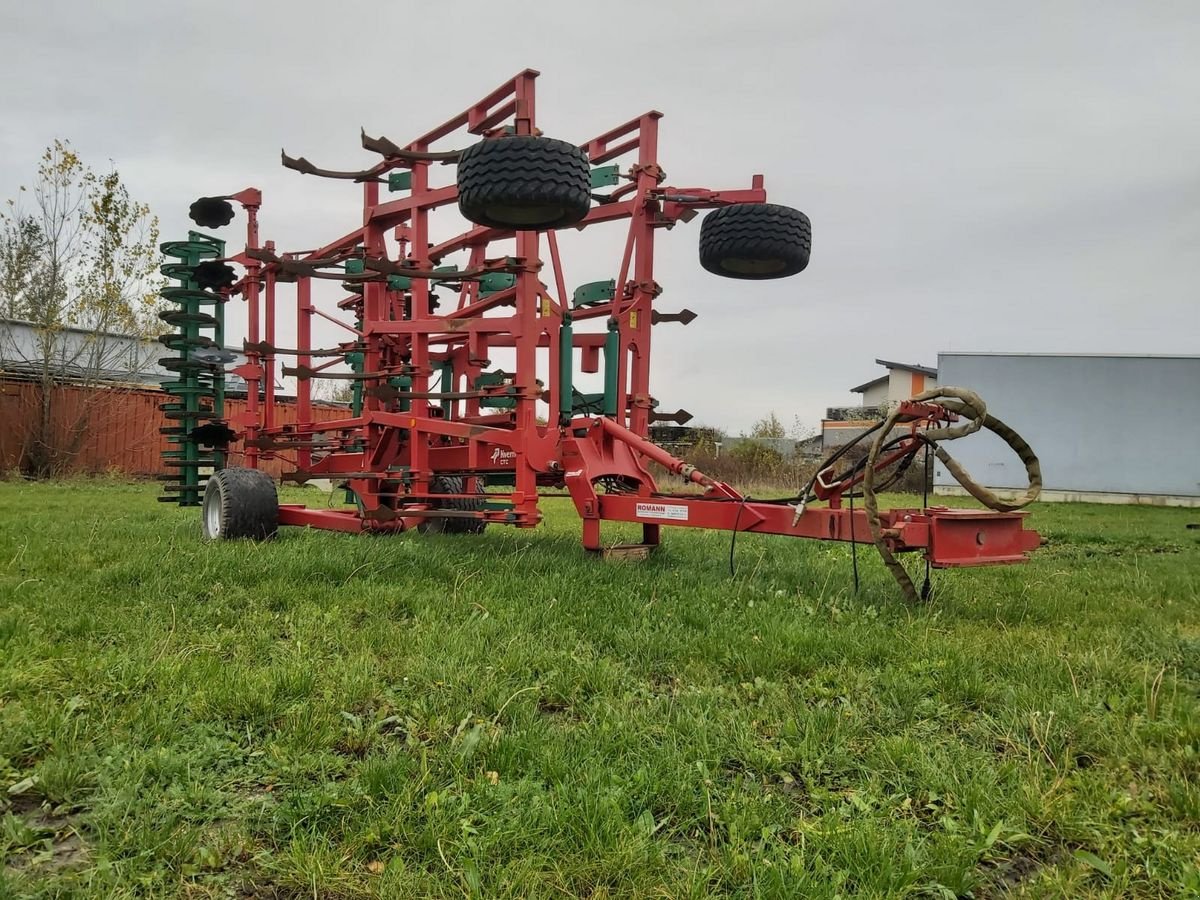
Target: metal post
x,y
268,360
253,358
303,385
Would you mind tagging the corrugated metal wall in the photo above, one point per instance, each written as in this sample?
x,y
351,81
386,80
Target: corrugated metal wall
x,y
1099,424
122,427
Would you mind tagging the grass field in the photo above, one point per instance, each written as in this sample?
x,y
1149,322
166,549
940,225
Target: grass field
x,y
354,716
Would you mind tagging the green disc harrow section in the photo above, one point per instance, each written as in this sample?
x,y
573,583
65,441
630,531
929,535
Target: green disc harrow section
x,y
196,385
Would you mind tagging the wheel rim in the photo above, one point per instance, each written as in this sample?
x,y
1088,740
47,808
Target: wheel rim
x,y
212,514
526,215
753,266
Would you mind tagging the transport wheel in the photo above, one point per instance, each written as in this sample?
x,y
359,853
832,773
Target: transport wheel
x,y
454,484
525,183
755,241
240,503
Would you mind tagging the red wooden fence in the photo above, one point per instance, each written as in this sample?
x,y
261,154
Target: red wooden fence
x,y
120,427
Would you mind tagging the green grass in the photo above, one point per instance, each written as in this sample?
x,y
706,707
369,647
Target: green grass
x,y
351,716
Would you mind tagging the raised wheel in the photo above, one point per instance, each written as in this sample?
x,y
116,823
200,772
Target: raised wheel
x,y
454,484
755,241
524,183
240,503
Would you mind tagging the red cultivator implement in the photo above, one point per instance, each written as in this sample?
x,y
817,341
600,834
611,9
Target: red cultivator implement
x,y
434,421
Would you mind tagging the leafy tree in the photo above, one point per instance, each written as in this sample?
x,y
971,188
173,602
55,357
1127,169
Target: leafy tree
x,y
78,286
768,427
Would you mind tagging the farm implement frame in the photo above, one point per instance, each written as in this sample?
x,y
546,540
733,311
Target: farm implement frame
x,y
441,438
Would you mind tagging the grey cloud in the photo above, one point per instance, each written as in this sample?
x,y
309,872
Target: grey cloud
x,y
1016,176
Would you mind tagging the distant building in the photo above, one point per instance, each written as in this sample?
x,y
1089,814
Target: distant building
x,y
81,353
1106,428
683,439
101,357
900,381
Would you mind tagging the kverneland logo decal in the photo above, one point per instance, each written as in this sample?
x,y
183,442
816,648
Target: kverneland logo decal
x,y
503,457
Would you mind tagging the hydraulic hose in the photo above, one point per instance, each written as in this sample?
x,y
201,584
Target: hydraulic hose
x,y
971,407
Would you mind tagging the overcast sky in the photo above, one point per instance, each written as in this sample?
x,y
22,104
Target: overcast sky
x,y
1018,176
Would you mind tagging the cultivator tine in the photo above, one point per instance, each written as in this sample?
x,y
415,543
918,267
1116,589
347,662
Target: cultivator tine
x,y
304,167
266,348
374,268
266,442
401,268
306,372
390,150
679,417
388,394
306,269
270,256
301,372
683,317
449,274
381,145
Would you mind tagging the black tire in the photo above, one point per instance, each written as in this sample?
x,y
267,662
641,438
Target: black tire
x,y
755,241
454,484
524,183
240,503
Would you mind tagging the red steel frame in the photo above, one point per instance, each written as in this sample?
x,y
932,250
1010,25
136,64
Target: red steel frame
x,y
388,455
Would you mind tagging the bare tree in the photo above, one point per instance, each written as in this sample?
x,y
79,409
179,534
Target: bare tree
x,y
333,390
77,295
801,430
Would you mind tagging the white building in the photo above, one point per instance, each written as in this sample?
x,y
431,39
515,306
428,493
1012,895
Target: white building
x,y
900,381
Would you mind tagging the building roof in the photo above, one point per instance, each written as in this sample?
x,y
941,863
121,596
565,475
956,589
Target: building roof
x,y
907,367
868,385
887,364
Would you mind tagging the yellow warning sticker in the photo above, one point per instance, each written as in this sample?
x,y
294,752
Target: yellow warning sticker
x,y
633,319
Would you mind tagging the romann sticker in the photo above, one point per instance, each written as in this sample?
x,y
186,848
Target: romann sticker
x,y
662,511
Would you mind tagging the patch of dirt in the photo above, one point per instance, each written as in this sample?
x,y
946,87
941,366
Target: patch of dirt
x,y
559,711
60,848
1006,877
353,747
665,686
552,706
252,889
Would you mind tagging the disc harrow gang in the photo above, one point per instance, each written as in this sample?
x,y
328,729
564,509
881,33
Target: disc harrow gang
x,y
479,376
197,384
